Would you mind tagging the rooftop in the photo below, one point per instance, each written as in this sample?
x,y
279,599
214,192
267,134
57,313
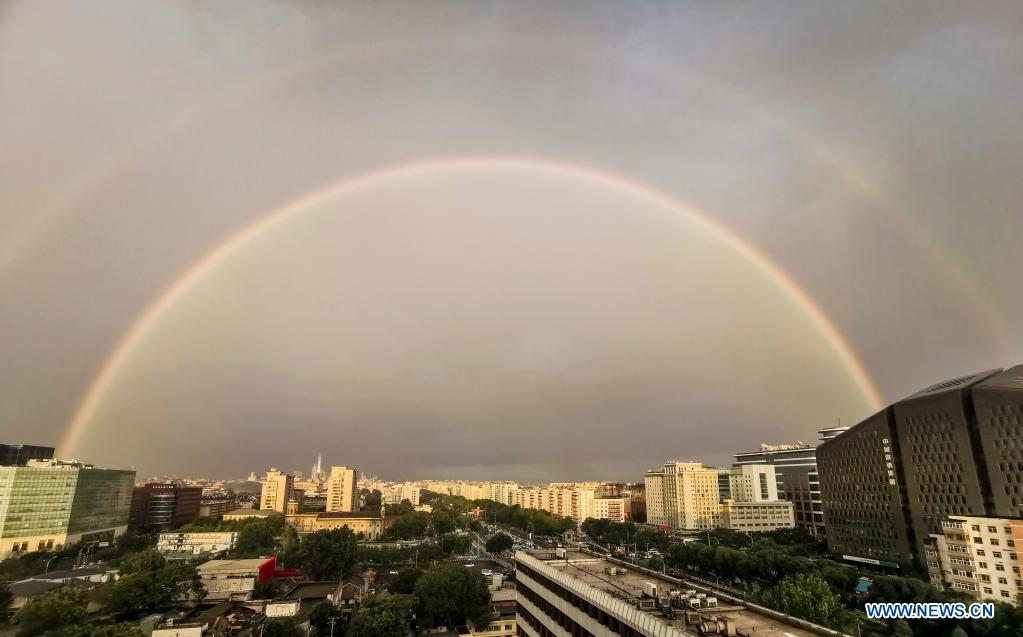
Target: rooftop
x,y
233,565
627,586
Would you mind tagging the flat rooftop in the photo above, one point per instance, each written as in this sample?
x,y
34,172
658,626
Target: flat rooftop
x,y
628,586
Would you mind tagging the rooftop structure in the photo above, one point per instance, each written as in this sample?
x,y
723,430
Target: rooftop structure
x,y
627,600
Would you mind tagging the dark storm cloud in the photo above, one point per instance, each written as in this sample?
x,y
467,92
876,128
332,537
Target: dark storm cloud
x,y
872,150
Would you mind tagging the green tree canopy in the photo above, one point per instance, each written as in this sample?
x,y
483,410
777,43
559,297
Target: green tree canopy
x,y
282,627
499,542
65,607
409,526
381,615
255,539
405,581
150,583
328,554
449,594
323,616
402,508
443,522
809,597
6,597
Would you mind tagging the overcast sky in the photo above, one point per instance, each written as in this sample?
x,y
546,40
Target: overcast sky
x,y
557,284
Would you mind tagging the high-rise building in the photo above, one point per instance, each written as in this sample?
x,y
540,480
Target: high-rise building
x,y
979,557
796,472
164,505
398,493
48,505
342,493
19,455
753,503
565,501
616,509
499,491
683,495
952,449
753,483
278,490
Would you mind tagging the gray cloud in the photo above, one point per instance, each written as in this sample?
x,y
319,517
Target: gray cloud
x,y
871,151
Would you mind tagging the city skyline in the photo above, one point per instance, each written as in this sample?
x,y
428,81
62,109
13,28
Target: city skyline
x,y
621,234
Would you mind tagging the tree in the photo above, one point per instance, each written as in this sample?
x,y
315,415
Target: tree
x,y
6,597
51,612
450,594
326,620
116,630
255,539
405,581
328,554
499,542
409,526
381,615
809,597
442,522
402,508
372,500
283,627
149,583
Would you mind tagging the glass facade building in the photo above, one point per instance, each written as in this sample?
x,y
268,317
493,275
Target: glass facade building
x,y
49,505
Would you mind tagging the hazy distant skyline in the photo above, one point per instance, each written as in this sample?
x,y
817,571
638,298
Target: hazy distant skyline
x,y
501,317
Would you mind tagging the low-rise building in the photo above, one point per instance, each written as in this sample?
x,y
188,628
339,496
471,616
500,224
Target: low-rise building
x,y
757,516
235,579
580,593
978,556
196,543
369,524
217,507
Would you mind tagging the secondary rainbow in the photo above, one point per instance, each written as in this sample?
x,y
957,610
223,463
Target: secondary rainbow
x,y
140,328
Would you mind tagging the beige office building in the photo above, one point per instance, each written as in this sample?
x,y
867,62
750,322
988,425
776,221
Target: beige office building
x,y
278,489
978,556
342,490
683,495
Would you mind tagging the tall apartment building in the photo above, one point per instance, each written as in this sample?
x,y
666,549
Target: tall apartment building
x,y
683,495
979,557
952,449
574,503
499,491
164,505
616,509
19,455
48,505
342,490
401,492
797,478
278,490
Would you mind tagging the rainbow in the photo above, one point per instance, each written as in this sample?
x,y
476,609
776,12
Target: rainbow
x,y
144,323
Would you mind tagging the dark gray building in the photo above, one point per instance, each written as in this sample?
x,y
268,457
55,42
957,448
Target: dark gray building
x,y
954,448
19,455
